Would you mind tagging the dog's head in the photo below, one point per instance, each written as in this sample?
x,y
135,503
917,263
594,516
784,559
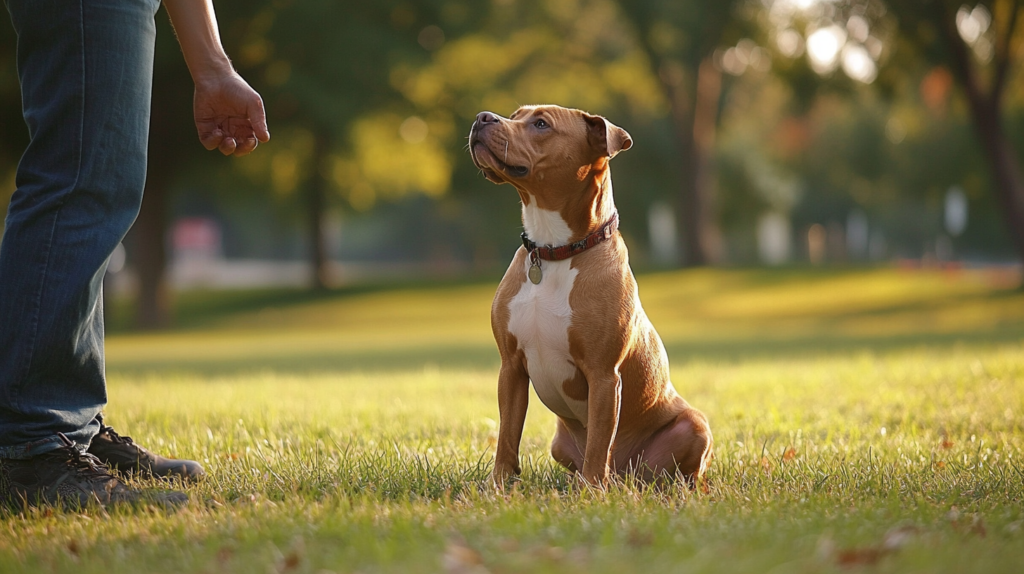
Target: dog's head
x,y
544,150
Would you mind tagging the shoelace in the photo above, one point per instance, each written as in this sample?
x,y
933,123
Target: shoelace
x,y
114,436
82,462
113,433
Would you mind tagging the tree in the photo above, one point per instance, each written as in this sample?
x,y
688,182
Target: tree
x,y
325,66
319,66
575,54
680,38
979,47
172,144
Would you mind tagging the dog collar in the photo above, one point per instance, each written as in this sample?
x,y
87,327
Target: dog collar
x,y
538,252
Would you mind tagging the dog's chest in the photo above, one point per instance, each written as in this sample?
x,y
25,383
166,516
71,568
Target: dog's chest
x,y
539,318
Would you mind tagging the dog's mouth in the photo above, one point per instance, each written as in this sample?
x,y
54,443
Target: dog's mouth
x,y
494,166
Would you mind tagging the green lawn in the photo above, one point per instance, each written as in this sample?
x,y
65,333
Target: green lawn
x,y
864,421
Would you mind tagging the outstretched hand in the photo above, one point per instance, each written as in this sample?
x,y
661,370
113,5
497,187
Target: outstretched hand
x,y
229,115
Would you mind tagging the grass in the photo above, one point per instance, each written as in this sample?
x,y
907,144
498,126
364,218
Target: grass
x,y
864,421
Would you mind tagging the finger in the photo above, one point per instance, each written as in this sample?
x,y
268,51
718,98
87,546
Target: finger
x,y
245,146
211,140
258,119
227,146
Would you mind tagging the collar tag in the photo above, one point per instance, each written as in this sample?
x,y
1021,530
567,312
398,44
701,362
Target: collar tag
x,y
535,274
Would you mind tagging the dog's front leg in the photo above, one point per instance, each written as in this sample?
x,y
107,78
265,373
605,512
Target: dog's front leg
x,y
513,398
603,403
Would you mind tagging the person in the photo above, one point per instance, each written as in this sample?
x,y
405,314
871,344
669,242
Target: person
x,y
86,71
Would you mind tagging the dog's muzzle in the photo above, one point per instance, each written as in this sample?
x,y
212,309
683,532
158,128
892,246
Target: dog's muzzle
x,y
479,141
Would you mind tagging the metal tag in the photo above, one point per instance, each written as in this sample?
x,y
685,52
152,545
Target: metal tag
x,y
534,273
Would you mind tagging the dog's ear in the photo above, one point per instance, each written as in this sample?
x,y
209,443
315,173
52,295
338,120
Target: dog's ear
x,y
605,137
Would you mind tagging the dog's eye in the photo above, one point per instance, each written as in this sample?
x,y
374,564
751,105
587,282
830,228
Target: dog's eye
x,y
541,124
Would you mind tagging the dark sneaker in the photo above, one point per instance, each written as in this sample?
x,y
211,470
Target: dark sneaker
x,y
69,478
122,454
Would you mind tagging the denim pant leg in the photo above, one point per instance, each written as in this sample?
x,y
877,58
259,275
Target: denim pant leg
x,y
86,71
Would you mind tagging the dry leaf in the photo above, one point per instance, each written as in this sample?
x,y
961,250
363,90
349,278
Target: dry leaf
x,y
893,540
509,545
898,537
978,527
225,554
639,538
461,559
290,562
790,454
858,556
953,515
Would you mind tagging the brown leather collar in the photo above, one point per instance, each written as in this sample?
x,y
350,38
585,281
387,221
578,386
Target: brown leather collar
x,y
566,251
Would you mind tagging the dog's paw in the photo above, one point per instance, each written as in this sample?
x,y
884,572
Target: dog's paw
x,y
501,475
594,478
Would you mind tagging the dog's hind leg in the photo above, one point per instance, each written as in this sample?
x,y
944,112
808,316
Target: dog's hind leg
x,y
682,447
564,448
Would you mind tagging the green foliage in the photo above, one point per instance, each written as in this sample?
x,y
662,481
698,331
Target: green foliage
x,y
372,101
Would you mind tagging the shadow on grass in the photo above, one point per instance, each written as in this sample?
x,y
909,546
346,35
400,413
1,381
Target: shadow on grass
x,y
378,361
483,357
198,309
801,347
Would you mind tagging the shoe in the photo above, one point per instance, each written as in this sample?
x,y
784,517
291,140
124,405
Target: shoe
x,y
122,454
69,478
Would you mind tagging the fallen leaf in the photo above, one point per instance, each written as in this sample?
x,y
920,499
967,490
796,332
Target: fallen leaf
x,y
953,515
978,527
790,454
946,443
461,559
638,538
225,554
898,537
552,553
858,556
509,545
291,562
893,540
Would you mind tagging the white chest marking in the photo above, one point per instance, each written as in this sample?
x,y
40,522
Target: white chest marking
x,y
540,315
545,227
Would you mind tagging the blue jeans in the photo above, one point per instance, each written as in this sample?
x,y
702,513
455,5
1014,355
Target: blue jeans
x,y
86,72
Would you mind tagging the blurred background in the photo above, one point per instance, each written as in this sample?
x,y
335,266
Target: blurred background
x,y
793,133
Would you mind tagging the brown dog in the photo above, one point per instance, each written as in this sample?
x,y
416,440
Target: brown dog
x,y
567,315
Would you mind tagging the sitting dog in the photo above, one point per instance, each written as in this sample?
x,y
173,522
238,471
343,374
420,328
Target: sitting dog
x,y
567,315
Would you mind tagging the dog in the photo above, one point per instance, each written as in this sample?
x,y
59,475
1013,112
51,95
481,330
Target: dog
x,y
567,315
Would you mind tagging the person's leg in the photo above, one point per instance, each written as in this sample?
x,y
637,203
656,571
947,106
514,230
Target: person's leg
x,y
85,68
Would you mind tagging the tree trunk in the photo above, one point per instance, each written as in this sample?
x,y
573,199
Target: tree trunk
x,y
172,137
1006,174
694,113
316,207
152,310
986,116
705,124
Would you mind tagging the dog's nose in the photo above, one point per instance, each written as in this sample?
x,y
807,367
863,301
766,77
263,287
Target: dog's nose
x,y
484,118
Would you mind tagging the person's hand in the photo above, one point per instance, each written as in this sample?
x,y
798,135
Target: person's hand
x,y
229,115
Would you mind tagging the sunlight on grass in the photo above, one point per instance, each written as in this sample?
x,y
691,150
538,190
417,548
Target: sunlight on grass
x,y
451,327
353,434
